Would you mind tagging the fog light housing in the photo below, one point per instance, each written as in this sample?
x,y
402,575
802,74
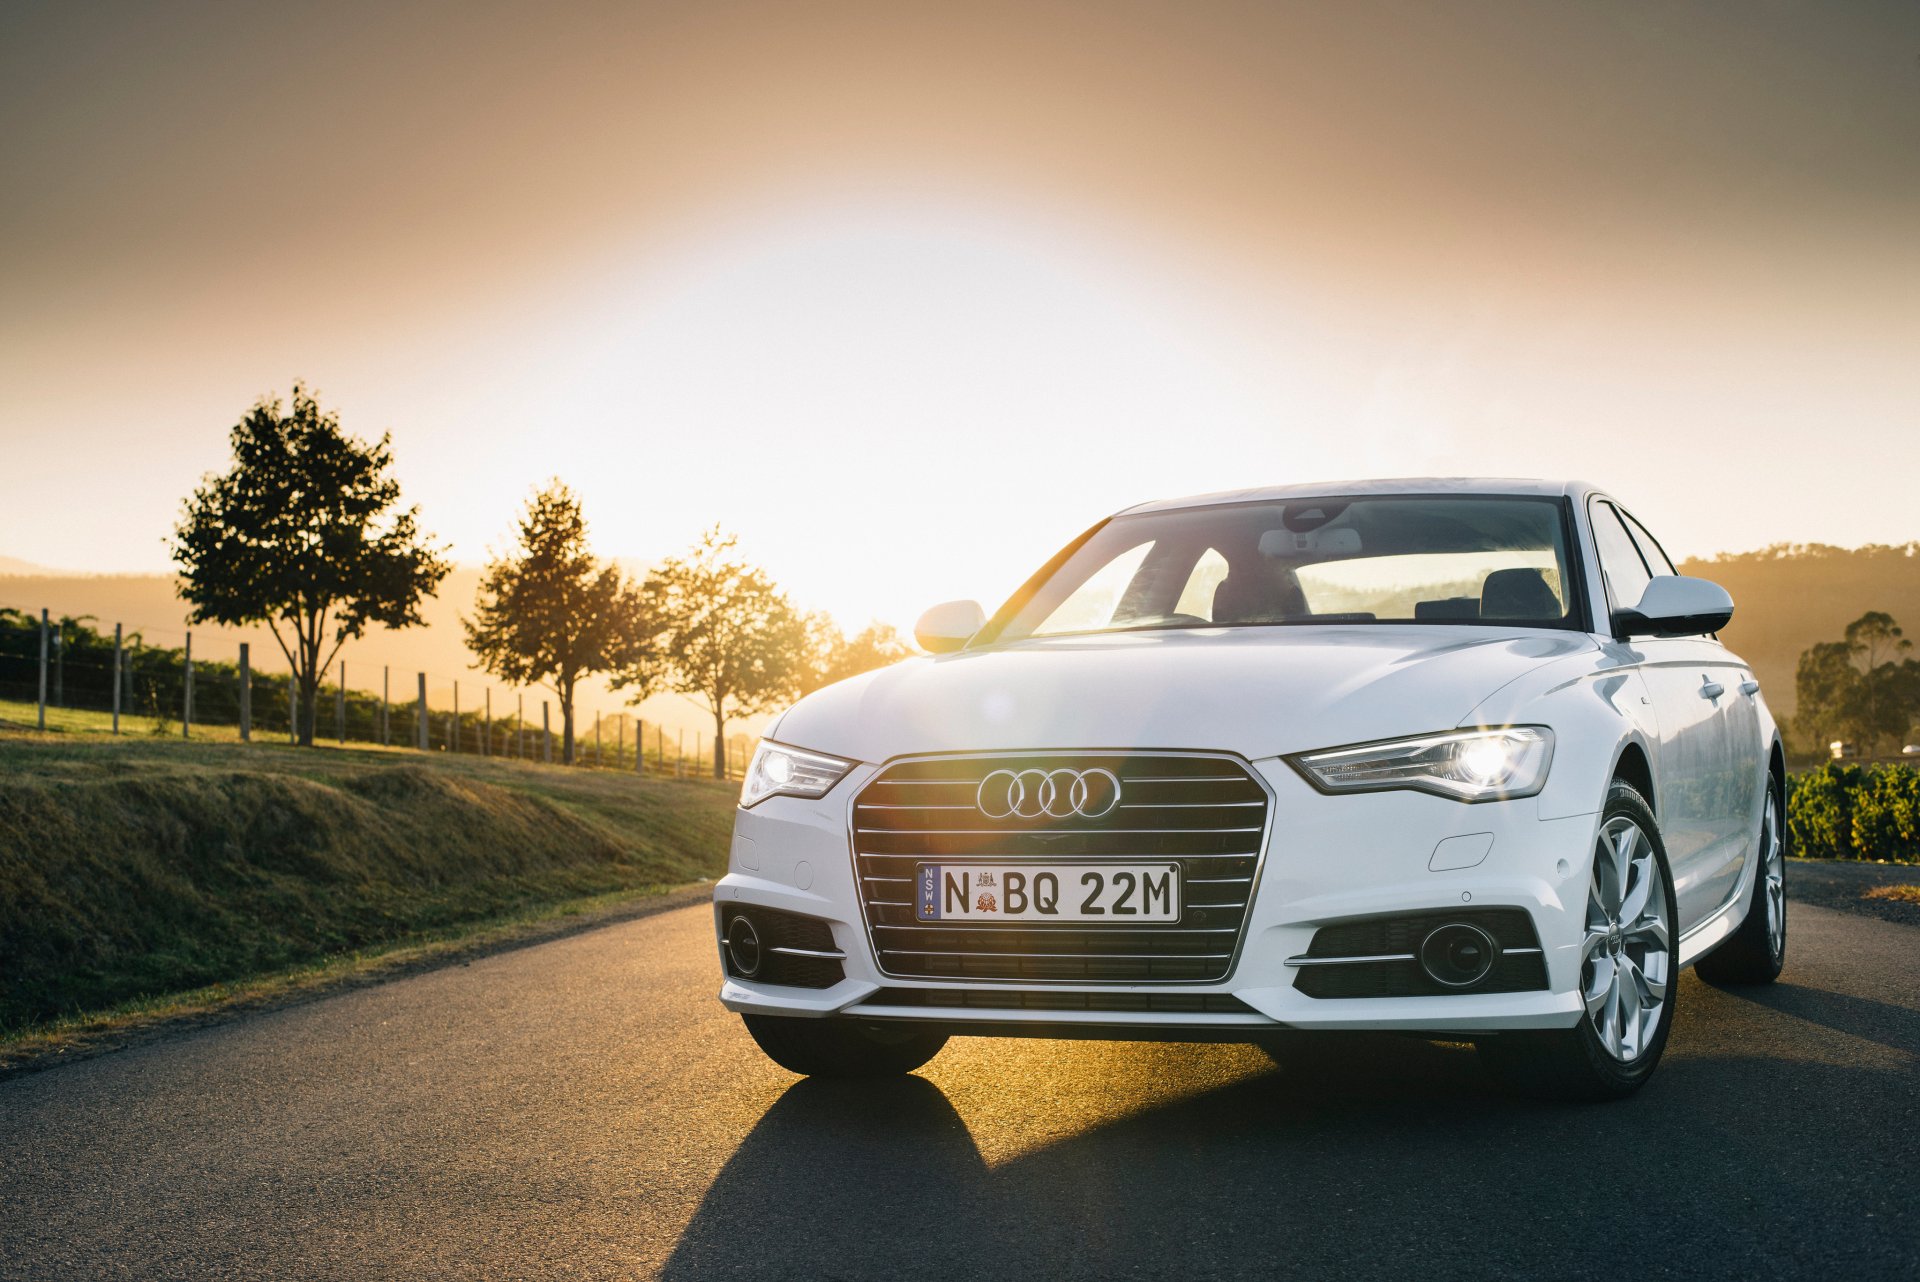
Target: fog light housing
x,y
1458,955
743,946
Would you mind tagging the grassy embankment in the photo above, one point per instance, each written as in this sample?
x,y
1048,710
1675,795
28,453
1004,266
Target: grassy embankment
x,y
18,715
143,877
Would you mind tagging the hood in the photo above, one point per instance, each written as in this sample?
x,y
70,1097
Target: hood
x,y
1255,691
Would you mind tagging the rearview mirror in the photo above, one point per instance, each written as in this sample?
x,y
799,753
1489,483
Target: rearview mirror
x,y
947,627
1675,606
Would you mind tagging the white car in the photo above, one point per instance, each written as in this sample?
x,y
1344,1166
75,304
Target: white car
x,y
1461,759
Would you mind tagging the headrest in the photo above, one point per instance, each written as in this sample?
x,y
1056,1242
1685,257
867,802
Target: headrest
x,y
1453,607
1520,593
1240,598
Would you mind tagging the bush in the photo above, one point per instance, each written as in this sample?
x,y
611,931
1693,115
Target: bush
x,y
1820,811
1843,811
1886,815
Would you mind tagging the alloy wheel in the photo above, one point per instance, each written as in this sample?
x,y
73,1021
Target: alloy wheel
x,y
1773,866
1625,964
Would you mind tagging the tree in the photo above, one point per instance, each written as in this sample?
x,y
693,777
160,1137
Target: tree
x,y
1859,688
723,634
304,533
548,613
1823,688
1884,708
834,656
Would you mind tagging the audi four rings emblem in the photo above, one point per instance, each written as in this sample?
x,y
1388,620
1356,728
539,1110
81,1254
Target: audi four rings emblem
x,y
1053,794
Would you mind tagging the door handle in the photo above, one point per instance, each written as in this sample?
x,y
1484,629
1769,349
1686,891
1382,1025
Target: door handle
x,y
1749,687
1710,689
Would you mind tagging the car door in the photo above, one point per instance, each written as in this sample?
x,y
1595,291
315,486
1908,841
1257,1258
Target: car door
x,y
1687,680
1735,789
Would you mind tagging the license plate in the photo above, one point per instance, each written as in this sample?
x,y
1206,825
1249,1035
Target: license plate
x,y
982,893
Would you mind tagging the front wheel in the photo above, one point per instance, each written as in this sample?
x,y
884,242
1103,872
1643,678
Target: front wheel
x,y
1626,972
1755,953
843,1048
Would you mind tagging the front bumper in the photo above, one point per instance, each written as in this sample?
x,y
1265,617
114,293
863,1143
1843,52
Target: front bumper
x,y
1329,859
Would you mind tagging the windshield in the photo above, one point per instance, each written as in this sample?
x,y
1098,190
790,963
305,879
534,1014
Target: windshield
x,y
1446,560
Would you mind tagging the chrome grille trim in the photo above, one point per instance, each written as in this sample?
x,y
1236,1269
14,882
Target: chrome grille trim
x,y
887,840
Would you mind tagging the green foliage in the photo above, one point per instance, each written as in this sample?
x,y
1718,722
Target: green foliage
x,y
132,869
720,633
1820,811
1845,811
1886,814
548,613
304,533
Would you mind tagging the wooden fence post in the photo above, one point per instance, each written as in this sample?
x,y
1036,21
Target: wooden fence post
x,y
420,720
293,706
186,695
340,706
546,735
116,677
486,744
520,724
453,727
43,669
597,761
246,692
386,697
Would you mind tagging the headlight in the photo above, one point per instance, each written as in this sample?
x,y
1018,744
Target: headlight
x,y
779,770
1466,765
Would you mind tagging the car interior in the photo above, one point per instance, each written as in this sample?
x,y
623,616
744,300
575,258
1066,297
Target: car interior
x,y
1468,559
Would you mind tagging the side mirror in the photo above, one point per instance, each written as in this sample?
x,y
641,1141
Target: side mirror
x,y
946,628
1675,606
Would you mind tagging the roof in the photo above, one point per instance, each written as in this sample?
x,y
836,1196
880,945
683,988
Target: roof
x,y
1352,489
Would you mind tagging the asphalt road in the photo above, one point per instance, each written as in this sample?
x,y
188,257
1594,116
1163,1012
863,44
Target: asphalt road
x,y
584,1108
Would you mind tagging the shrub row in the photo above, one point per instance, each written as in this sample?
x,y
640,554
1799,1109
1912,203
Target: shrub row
x,y
1843,811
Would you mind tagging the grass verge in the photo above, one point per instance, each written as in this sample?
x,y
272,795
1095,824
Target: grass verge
x,y
131,1023
140,879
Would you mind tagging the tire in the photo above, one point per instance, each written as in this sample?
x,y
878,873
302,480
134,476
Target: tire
x,y
1627,964
843,1048
1755,953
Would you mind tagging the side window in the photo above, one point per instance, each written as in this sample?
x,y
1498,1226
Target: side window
x,y
1650,549
1620,564
1093,603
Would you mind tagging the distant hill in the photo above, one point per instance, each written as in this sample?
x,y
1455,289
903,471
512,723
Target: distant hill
x,y
14,565
1788,596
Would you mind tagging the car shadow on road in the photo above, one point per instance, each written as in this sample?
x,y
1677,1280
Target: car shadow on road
x,y
1384,1157
1897,1027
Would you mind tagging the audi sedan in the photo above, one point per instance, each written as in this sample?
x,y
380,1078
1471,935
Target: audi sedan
x,y
1454,759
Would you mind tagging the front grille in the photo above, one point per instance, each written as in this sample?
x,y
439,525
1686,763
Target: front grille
x,y
1205,812
1389,946
1001,999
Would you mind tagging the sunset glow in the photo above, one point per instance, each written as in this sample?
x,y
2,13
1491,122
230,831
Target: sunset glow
x,y
906,330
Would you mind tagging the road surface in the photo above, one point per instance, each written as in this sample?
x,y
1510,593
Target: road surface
x,y
584,1108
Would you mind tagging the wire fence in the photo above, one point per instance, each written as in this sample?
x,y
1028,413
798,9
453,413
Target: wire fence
x,y
65,674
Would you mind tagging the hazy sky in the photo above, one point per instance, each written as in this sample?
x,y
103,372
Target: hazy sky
x,y
907,294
